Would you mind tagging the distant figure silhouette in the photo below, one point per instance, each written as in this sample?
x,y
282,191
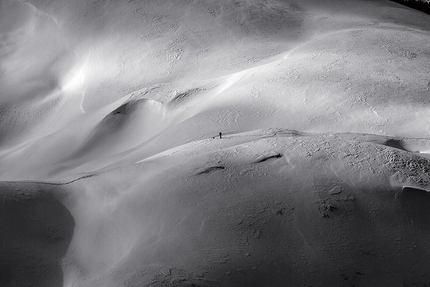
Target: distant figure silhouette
x,y
220,135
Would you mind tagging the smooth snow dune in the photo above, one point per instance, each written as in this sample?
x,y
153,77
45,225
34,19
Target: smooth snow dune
x,y
268,208
131,124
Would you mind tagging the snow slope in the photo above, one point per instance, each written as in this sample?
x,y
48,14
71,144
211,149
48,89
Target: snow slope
x,y
200,67
111,175
270,207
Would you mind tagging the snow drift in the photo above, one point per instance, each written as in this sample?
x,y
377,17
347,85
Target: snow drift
x,y
112,174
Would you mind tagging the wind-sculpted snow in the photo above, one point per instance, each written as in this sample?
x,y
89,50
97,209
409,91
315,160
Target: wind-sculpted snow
x,y
330,209
308,65
117,106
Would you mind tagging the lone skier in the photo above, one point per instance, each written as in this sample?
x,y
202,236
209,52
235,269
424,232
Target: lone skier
x,y
220,135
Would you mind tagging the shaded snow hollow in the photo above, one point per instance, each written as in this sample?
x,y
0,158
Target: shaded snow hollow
x,y
112,174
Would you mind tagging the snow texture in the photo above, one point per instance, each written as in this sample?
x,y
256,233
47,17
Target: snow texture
x,y
113,172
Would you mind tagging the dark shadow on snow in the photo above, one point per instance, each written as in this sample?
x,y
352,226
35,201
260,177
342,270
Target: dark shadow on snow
x,y
210,169
395,144
417,5
266,158
416,204
35,233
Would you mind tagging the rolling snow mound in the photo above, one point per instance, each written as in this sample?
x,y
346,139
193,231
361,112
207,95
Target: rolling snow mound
x,y
113,174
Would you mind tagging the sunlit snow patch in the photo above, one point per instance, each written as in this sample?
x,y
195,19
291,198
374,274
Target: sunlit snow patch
x,y
74,82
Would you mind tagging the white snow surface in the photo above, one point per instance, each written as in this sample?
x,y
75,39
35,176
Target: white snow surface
x,y
113,173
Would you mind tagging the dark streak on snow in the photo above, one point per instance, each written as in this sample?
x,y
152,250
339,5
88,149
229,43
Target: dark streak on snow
x,y
211,169
266,158
52,183
395,144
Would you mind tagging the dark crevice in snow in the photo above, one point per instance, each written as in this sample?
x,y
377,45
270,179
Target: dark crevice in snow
x,y
266,158
211,169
